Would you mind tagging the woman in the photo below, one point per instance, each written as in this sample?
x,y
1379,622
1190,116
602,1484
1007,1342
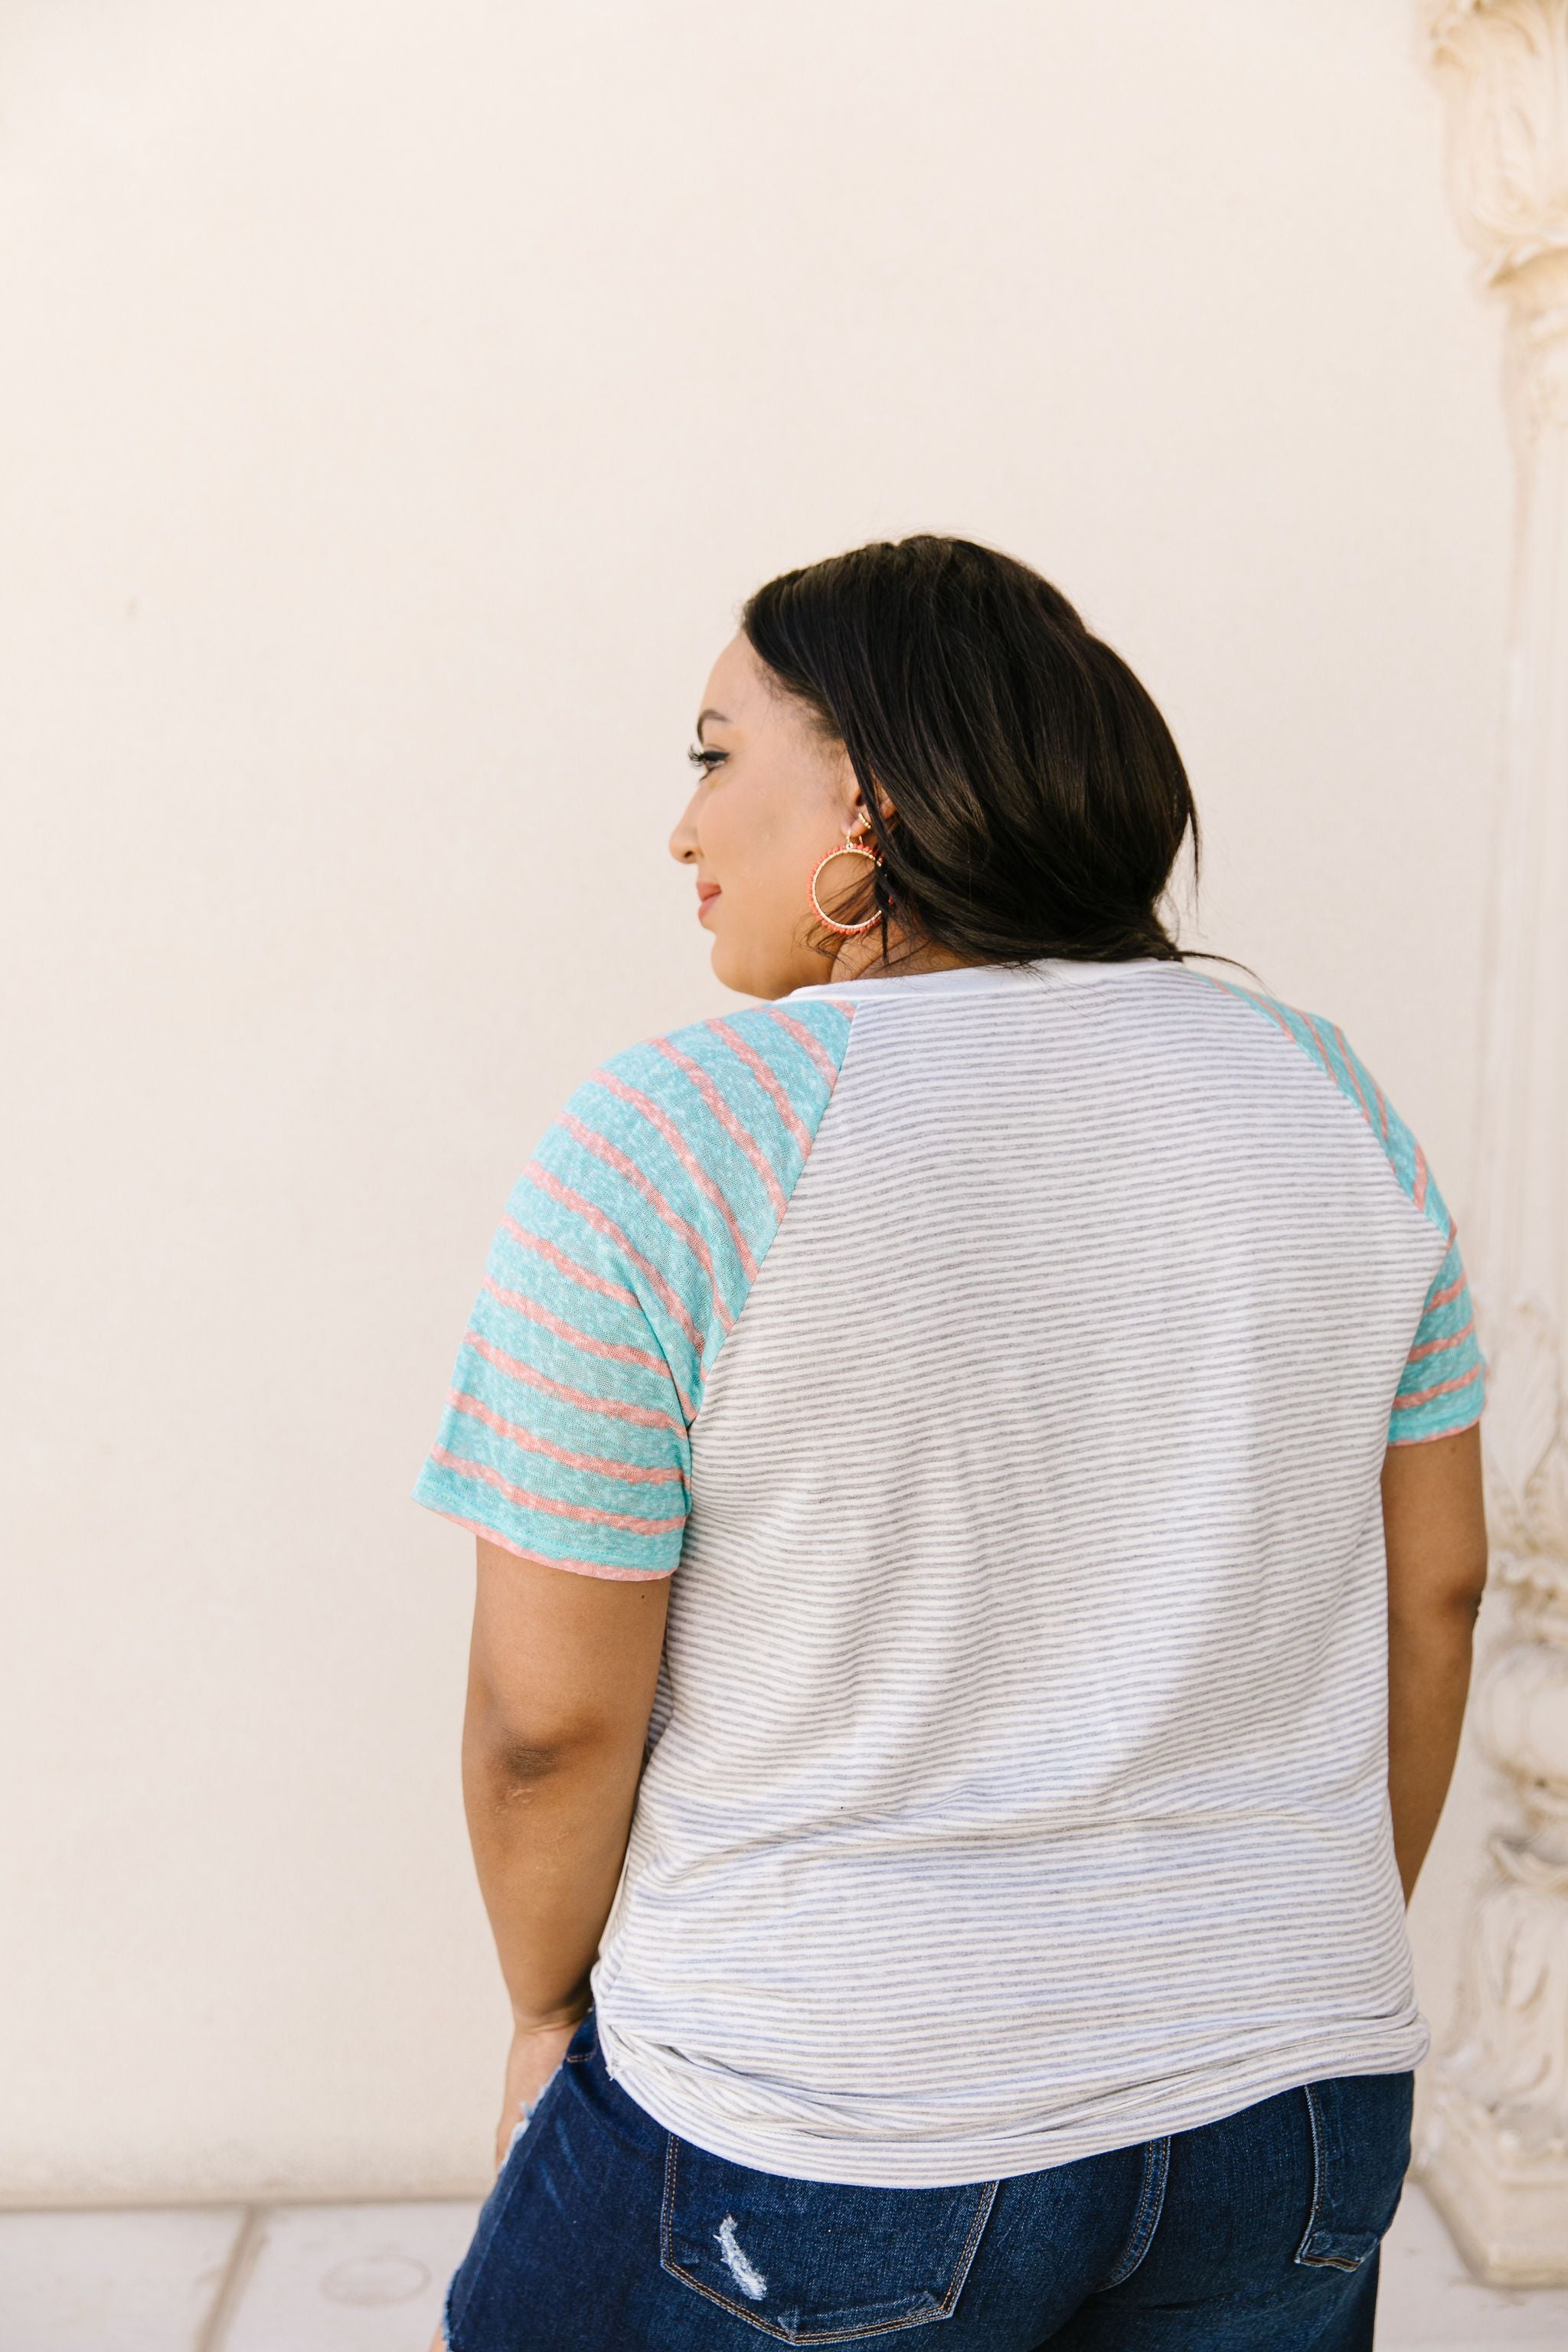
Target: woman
x,y
975,1470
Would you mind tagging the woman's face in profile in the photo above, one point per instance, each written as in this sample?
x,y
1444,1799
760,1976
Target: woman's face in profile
x,y
775,794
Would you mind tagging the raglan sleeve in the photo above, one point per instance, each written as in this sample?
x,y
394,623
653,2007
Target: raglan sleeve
x,y
1443,1387
566,1434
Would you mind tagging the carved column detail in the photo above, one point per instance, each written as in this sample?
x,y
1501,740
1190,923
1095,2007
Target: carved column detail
x,y
1496,2157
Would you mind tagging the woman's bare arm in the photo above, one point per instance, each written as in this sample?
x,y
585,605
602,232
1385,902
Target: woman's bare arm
x,y
561,1680
1435,1533
561,1683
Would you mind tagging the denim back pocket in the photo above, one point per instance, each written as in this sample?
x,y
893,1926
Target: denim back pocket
x,y
1360,2150
810,2262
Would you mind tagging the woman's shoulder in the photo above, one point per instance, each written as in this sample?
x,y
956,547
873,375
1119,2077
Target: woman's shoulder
x,y
1325,1045
693,1141
765,1073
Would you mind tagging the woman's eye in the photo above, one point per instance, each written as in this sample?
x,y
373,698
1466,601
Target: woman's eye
x,y
701,757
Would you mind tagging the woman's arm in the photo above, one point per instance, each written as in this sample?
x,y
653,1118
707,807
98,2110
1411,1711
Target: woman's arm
x,y
1436,1538
560,1683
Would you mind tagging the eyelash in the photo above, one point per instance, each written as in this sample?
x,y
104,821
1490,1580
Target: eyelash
x,y
706,759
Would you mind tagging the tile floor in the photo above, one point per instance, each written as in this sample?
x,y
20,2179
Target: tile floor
x,y
369,2278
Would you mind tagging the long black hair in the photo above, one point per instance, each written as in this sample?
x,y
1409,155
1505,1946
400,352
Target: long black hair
x,y
1039,801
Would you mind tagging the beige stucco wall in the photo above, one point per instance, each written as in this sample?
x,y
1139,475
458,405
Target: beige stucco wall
x,y
397,399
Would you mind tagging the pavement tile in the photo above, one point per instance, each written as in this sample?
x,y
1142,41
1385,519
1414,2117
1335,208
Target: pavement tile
x,y
347,2278
113,2282
1427,2301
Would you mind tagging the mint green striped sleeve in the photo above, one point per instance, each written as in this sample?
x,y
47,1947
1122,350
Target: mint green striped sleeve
x,y
624,1258
1442,1389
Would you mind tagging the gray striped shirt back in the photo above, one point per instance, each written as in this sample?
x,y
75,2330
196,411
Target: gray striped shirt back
x,y
1018,1773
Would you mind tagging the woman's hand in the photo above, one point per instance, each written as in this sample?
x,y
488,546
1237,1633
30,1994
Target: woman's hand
x,y
535,2053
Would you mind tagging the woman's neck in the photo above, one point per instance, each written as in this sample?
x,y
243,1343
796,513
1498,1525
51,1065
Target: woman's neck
x,y
864,959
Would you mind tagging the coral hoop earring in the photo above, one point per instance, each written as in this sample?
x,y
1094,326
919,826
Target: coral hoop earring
x,y
847,848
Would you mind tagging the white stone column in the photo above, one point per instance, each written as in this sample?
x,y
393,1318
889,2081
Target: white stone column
x,y
1495,2156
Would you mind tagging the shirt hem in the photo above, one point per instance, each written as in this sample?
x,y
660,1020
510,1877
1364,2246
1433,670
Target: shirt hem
x,y
430,1499
959,2161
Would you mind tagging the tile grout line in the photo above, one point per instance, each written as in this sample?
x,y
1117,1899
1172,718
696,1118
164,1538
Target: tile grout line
x,y
239,2199
234,2279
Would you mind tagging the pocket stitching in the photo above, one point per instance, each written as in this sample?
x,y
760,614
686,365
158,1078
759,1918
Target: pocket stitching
x,y
817,2335
1311,2260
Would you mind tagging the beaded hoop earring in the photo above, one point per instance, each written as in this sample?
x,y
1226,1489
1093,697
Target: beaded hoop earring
x,y
849,848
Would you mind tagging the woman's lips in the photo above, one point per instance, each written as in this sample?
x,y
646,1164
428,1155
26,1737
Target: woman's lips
x,y
706,894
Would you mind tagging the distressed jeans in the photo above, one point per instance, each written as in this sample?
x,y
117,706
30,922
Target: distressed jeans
x,y
605,2233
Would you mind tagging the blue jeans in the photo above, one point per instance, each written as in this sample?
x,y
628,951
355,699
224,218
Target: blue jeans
x,y
605,2233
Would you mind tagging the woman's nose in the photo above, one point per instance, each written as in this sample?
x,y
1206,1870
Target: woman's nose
x,y
683,842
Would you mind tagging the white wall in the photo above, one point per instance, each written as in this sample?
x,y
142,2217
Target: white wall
x,y
397,400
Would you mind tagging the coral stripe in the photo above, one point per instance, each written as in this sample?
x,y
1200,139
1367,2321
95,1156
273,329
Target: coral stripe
x,y
1435,1346
1322,1043
804,1038
1447,1297
1420,1195
519,1303
487,1476
569,1266
644,1416
1429,1436
1382,1109
602,1149
737,1131
1424,1396
594,1217
771,1084
662,1124
543,1559
1348,1059
640,1474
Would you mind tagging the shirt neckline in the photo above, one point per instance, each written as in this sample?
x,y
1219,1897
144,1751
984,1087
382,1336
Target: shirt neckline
x,y
967,979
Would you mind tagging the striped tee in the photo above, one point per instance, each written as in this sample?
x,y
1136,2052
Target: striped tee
x,y
1005,1359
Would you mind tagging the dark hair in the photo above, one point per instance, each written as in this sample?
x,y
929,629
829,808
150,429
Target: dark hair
x,y
1039,801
